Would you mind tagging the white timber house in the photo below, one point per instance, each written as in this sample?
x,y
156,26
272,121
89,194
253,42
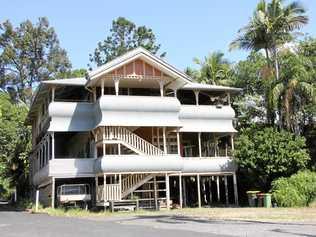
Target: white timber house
x,y
136,128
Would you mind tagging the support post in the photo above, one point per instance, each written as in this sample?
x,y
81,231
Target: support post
x,y
96,188
175,92
164,140
210,189
104,184
180,191
53,93
226,190
217,189
161,84
37,200
102,86
53,192
94,94
116,85
53,146
45,152
156,193
232,141
235,189
158,138
215,145
48,148
119,148
120,183
178,143
196,93
167,191
103,141
228,98
200,144
199,190
184,193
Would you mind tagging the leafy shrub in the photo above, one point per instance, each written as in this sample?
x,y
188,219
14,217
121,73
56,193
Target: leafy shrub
x,y
265,154
296,191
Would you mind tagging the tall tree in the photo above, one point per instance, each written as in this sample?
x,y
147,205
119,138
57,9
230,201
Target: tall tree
x,y
214,69
14,145
294,89
29,53
271,26
125,35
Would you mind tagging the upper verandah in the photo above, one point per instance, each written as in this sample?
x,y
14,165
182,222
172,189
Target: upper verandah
x,y
137,68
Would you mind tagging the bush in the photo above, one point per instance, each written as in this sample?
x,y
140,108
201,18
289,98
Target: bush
x,y
265,154
296,191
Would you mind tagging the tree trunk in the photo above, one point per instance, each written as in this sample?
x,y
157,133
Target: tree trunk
x,y
287,110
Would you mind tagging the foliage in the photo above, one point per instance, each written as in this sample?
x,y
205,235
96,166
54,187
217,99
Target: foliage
x,y
29,53
125,35
266,154
72,74
248,74
271,27
214,69
294,89
295,191
14,144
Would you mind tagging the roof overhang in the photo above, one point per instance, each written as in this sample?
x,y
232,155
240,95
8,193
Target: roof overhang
x,y
207,87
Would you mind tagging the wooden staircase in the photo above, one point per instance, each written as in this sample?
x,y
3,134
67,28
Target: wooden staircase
x,y
133,182
132,141
117,192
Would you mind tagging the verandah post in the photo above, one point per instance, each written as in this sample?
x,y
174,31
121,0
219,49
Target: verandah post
x,y
199,189
167,191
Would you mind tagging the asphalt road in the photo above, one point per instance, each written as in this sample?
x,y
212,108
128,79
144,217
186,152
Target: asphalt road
x,y
13,224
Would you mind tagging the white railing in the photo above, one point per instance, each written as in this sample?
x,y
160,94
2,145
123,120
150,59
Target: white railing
x,y
112,192
131,180
135,141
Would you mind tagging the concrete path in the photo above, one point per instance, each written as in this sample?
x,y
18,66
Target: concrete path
x,y
13,224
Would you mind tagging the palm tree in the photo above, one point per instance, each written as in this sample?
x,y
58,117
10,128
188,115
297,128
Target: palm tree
x,y
215,69
271,26
293,89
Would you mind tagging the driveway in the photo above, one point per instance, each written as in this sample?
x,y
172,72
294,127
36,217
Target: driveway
x,y
22,224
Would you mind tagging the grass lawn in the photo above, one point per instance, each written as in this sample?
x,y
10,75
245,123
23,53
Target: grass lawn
x,y
255,214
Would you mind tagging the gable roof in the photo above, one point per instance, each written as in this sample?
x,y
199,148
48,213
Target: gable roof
x,y
134,54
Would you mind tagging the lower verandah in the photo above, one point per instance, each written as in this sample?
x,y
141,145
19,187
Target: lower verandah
x,y
192,189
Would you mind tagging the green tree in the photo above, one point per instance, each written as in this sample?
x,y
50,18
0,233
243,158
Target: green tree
x,y
29,54
72,74
248,74
214,69
271,26
14,144
264,154
294,89
125,35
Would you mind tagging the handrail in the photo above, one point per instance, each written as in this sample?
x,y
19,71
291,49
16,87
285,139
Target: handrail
x,y
131,180
125,135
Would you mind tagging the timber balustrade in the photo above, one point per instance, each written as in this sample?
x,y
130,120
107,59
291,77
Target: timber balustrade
x,y
125,135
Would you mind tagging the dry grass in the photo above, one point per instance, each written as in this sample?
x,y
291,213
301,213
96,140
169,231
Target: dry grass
x,y
254,214
258,214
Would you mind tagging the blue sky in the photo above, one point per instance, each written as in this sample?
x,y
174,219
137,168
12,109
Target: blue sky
x,y
185,29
